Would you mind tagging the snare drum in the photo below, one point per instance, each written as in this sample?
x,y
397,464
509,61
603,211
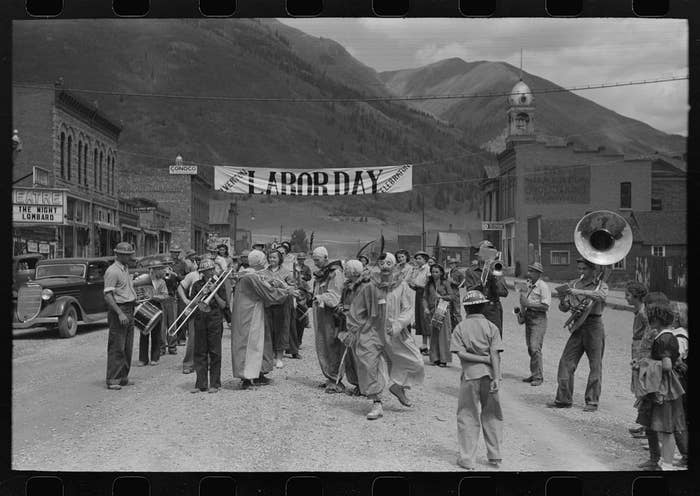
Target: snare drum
x,y
146,316
439,314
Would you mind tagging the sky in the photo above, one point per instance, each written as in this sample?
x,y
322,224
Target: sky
x,y
568,52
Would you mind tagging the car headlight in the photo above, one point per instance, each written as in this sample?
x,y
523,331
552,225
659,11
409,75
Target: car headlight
x,y
46,294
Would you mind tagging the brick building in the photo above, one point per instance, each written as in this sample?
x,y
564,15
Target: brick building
x,y
69,153
544,186
184,196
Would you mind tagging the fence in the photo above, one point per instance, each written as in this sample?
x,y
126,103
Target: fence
x,y
666,274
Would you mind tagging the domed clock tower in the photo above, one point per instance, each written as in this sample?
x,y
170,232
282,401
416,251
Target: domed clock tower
x,y
521,114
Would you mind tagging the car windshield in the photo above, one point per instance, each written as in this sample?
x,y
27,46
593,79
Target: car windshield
x,y
58,270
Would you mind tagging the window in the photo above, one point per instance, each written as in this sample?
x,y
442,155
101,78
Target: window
x,y
626,195
620,265
94,166
80,162
70,153
100,169
559,257
85,160
658,250
63,154
656,204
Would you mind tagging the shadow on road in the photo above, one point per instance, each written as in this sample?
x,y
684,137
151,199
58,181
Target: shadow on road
x,y
45,333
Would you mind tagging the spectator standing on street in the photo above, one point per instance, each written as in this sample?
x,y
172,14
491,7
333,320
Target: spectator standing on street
x,y
417,283
635,293
183,290
179,266
279,317
441,310
680,330
208,328
535,303
120,297
477,343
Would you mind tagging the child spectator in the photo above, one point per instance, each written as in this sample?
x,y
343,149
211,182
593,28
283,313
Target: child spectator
x,y
635,292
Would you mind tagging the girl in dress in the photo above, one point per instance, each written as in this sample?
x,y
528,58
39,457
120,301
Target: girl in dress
x,y
440,289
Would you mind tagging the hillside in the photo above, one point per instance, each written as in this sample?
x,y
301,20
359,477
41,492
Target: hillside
x,y
483,120
247,58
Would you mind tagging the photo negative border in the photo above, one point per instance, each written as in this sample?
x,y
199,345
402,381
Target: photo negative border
x,y
414,484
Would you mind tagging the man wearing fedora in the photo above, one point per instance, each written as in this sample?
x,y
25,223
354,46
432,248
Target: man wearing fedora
x,y
535,302
120,297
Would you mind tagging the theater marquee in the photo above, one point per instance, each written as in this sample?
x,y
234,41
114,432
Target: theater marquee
x,y
314,182
38,206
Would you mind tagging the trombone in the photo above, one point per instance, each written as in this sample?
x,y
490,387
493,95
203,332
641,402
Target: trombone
x,y
204,295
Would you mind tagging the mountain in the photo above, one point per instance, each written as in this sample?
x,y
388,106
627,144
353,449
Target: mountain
x,y
483,120
248,58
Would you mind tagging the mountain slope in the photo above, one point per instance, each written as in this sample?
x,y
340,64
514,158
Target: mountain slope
x,y
483,120
245,58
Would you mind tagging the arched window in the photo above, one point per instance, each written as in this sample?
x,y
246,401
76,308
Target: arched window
x,y
112,174
80,162
63,154
94,166
85,160
69,149
100,169
108,174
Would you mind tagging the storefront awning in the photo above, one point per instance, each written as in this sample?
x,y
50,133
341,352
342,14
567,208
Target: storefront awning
x,y
104,225
130,227
166,231
150,232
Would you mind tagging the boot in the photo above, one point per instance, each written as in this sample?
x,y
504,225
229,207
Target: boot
x,y
376,411
399,392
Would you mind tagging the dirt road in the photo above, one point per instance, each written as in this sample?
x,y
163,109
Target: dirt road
x,y
65,419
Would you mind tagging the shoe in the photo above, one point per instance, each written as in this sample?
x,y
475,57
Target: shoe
x,y
187,371
636,430
154,362
195,390
495,462
640,435
115,387
535,383
682,463
279,364
213,390
335,388
246,384
399,392
556,404
667,466
424,351
353,392
442,364
262,381
376,412
464,465
296,356
172,351
649,465
590,408
528,379
141,364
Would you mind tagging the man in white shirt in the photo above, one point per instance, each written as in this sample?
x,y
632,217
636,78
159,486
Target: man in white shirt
x,y
535,303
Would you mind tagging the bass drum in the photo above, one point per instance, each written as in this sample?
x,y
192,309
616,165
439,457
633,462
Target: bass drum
x,y
439,315
146,316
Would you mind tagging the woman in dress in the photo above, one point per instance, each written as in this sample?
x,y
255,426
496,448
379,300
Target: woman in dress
x,y
279,317
438,290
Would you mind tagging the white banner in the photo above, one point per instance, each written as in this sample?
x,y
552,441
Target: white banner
x,y
314,182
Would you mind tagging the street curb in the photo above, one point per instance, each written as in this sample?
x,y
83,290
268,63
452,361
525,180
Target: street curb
x,y
615,306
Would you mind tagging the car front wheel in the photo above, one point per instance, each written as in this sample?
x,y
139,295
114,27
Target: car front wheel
x,y
68,323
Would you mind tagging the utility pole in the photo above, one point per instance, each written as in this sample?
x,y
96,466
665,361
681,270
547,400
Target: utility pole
x,y
422,204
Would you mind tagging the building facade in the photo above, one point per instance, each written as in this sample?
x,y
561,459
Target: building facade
x,y
543,187
184,197
69,152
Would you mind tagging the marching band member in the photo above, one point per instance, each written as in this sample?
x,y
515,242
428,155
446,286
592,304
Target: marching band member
x,y
535,303
588,338
183,291
438,289
169,307
493,289
378,317
253,292
120,297
328,287
208,328
155,279
417,283
279,317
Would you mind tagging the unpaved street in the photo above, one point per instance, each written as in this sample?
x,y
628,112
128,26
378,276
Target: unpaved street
x,y
65,419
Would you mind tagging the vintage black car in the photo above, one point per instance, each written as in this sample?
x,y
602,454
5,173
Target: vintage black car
x,y
23,267
64,293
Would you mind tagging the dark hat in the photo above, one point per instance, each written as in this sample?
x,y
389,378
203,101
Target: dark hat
x,y
190,252
175,249
124,248
155,264
587,262
421,254
167,260
536,267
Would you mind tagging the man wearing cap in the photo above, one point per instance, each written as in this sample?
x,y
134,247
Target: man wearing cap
x,y
417,283
328,289
378,319
535,301
477,343
179,267
187,333
208,328
169,306
494,289
588,338
159,291
248,334
120,297
243,260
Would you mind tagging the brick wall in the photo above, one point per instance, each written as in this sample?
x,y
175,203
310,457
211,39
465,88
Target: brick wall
x,y
671,192
32,116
